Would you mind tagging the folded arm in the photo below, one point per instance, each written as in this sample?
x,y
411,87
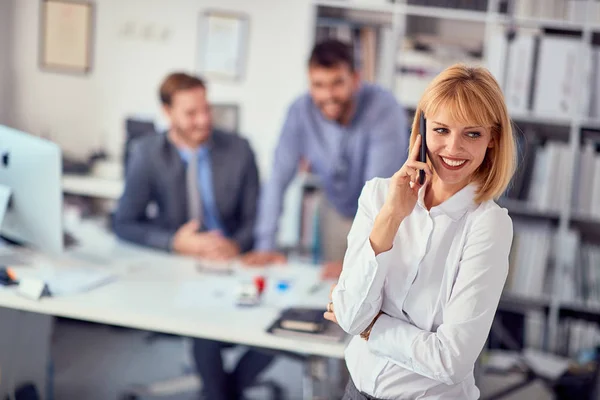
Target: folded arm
x,y
357,297
449,354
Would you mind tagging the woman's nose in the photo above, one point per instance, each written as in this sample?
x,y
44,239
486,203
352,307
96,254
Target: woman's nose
x,y
454,143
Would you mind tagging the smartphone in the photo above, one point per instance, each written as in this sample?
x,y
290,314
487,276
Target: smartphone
x,y
423,155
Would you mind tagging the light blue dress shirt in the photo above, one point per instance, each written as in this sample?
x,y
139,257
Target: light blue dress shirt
x,y
374,144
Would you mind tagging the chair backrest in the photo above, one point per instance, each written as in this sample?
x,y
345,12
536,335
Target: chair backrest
x,y
135,128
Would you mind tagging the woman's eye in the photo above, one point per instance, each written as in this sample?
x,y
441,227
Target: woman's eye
x,y
474,135
441,130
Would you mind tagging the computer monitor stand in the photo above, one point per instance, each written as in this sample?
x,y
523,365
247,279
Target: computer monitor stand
x,y
68,239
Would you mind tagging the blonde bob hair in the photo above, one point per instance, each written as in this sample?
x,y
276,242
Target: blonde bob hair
x,y
472,96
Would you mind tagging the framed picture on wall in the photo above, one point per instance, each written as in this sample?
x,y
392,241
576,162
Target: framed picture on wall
x,y
66,35
223,44
226,117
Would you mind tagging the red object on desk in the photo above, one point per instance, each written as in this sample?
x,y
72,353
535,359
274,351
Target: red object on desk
x,y
259,282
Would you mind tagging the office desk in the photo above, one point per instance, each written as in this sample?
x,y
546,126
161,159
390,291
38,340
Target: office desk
x,y
166,293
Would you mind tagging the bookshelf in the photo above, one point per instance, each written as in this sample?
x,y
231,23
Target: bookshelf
x,y
409,32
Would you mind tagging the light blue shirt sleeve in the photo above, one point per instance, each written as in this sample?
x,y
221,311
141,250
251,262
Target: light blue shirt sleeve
x,y
388,147
285,165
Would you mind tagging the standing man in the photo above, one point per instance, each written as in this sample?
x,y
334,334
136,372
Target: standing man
x,y
205,185
348,132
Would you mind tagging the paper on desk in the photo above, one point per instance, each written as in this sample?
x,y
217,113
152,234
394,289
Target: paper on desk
x,y
71,280
207,292
5,192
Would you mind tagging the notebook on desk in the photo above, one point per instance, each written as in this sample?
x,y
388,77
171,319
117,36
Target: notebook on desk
x,y
307,323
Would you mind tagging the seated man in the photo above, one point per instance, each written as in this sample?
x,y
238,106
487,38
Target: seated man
x,y
205,185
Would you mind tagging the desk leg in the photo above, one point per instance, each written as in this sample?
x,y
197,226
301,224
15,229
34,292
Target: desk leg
x,y
24,350
308,379
319,381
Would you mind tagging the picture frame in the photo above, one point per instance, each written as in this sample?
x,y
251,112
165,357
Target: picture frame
x,y
226,117
66,36
223,45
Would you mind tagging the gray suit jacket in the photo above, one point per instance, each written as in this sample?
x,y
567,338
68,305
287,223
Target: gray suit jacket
x,y
156,174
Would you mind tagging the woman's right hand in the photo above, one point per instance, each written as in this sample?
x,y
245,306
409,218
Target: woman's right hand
x,y
404,185
400,201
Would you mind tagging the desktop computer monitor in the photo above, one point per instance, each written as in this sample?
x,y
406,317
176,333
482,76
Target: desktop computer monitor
x,y
32,169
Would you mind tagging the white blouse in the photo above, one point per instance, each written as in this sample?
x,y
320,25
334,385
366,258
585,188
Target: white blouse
x,y
439,287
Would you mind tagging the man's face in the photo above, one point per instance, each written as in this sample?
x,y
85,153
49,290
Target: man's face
x,y
190,115
332,89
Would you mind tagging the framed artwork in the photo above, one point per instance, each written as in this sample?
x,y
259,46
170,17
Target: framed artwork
x,y
226,117
66,36
223,39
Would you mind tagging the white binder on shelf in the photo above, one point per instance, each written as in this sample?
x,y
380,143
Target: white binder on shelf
x,y
519,74
556,79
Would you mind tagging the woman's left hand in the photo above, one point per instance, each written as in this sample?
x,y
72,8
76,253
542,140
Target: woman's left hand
x,y
330,313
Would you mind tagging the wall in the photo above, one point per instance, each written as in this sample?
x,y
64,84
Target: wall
x,y
83,113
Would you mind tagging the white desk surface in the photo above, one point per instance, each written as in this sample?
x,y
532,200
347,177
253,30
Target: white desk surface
x,y
165,293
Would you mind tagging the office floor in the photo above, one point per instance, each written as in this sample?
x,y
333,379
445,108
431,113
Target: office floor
x,y
96,362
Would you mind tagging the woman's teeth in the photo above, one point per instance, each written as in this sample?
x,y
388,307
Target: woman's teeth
x,y
453,163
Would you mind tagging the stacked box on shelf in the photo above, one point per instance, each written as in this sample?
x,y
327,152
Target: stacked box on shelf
x,y
578,336
556,78
529,260
479,5
594,107
588,292
518,76
586,199
562,10
535,329
549,177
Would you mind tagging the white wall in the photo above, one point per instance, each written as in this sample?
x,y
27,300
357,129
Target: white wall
x,y
84,112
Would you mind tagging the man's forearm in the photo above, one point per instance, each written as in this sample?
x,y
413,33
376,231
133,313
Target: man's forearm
x,y
145,234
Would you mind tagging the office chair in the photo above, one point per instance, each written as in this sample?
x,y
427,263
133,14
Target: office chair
x,y
135,128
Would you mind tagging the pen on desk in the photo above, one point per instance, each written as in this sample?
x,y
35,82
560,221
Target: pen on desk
x,y
315,288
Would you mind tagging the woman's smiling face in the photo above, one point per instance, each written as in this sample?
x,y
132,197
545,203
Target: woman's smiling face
x,y
456,150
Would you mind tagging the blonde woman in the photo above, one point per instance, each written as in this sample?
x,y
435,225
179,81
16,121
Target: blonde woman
x,y
426,264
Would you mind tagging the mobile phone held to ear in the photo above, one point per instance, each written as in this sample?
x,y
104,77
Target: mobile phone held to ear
x,y
423,155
